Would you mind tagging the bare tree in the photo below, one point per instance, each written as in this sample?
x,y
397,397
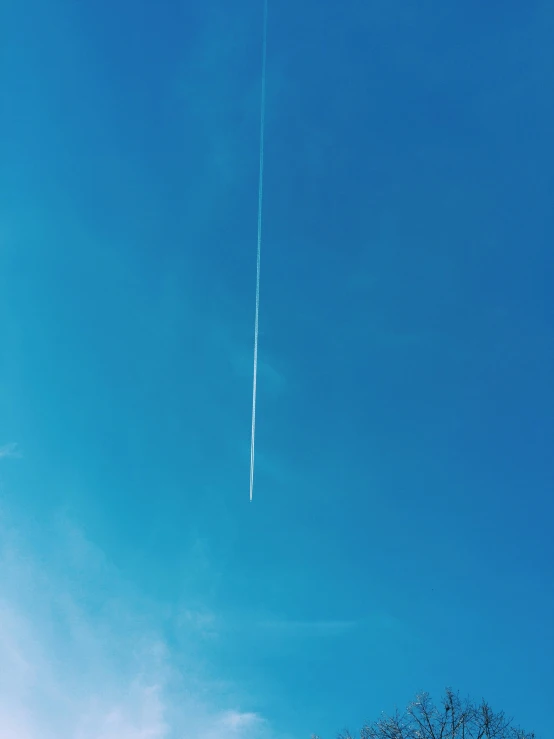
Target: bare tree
x,y
453,719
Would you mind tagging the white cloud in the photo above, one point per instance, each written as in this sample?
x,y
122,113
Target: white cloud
x,y
227,725
139,715
233,723
72,669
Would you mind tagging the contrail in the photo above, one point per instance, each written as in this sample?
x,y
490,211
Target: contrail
x,y
260,197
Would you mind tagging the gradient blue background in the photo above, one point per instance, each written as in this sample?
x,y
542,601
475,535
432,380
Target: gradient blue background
x,y
400,536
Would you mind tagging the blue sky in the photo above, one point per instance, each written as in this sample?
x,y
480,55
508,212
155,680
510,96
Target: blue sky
x,y
400,536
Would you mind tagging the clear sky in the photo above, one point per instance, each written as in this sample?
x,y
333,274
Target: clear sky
x,y
400,536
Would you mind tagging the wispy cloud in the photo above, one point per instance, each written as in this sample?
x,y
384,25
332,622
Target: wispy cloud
x,y
377,624
9,450
100,672
236,724
309,628
202,621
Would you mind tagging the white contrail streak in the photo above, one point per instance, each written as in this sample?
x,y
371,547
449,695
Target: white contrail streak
x,y
260,197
